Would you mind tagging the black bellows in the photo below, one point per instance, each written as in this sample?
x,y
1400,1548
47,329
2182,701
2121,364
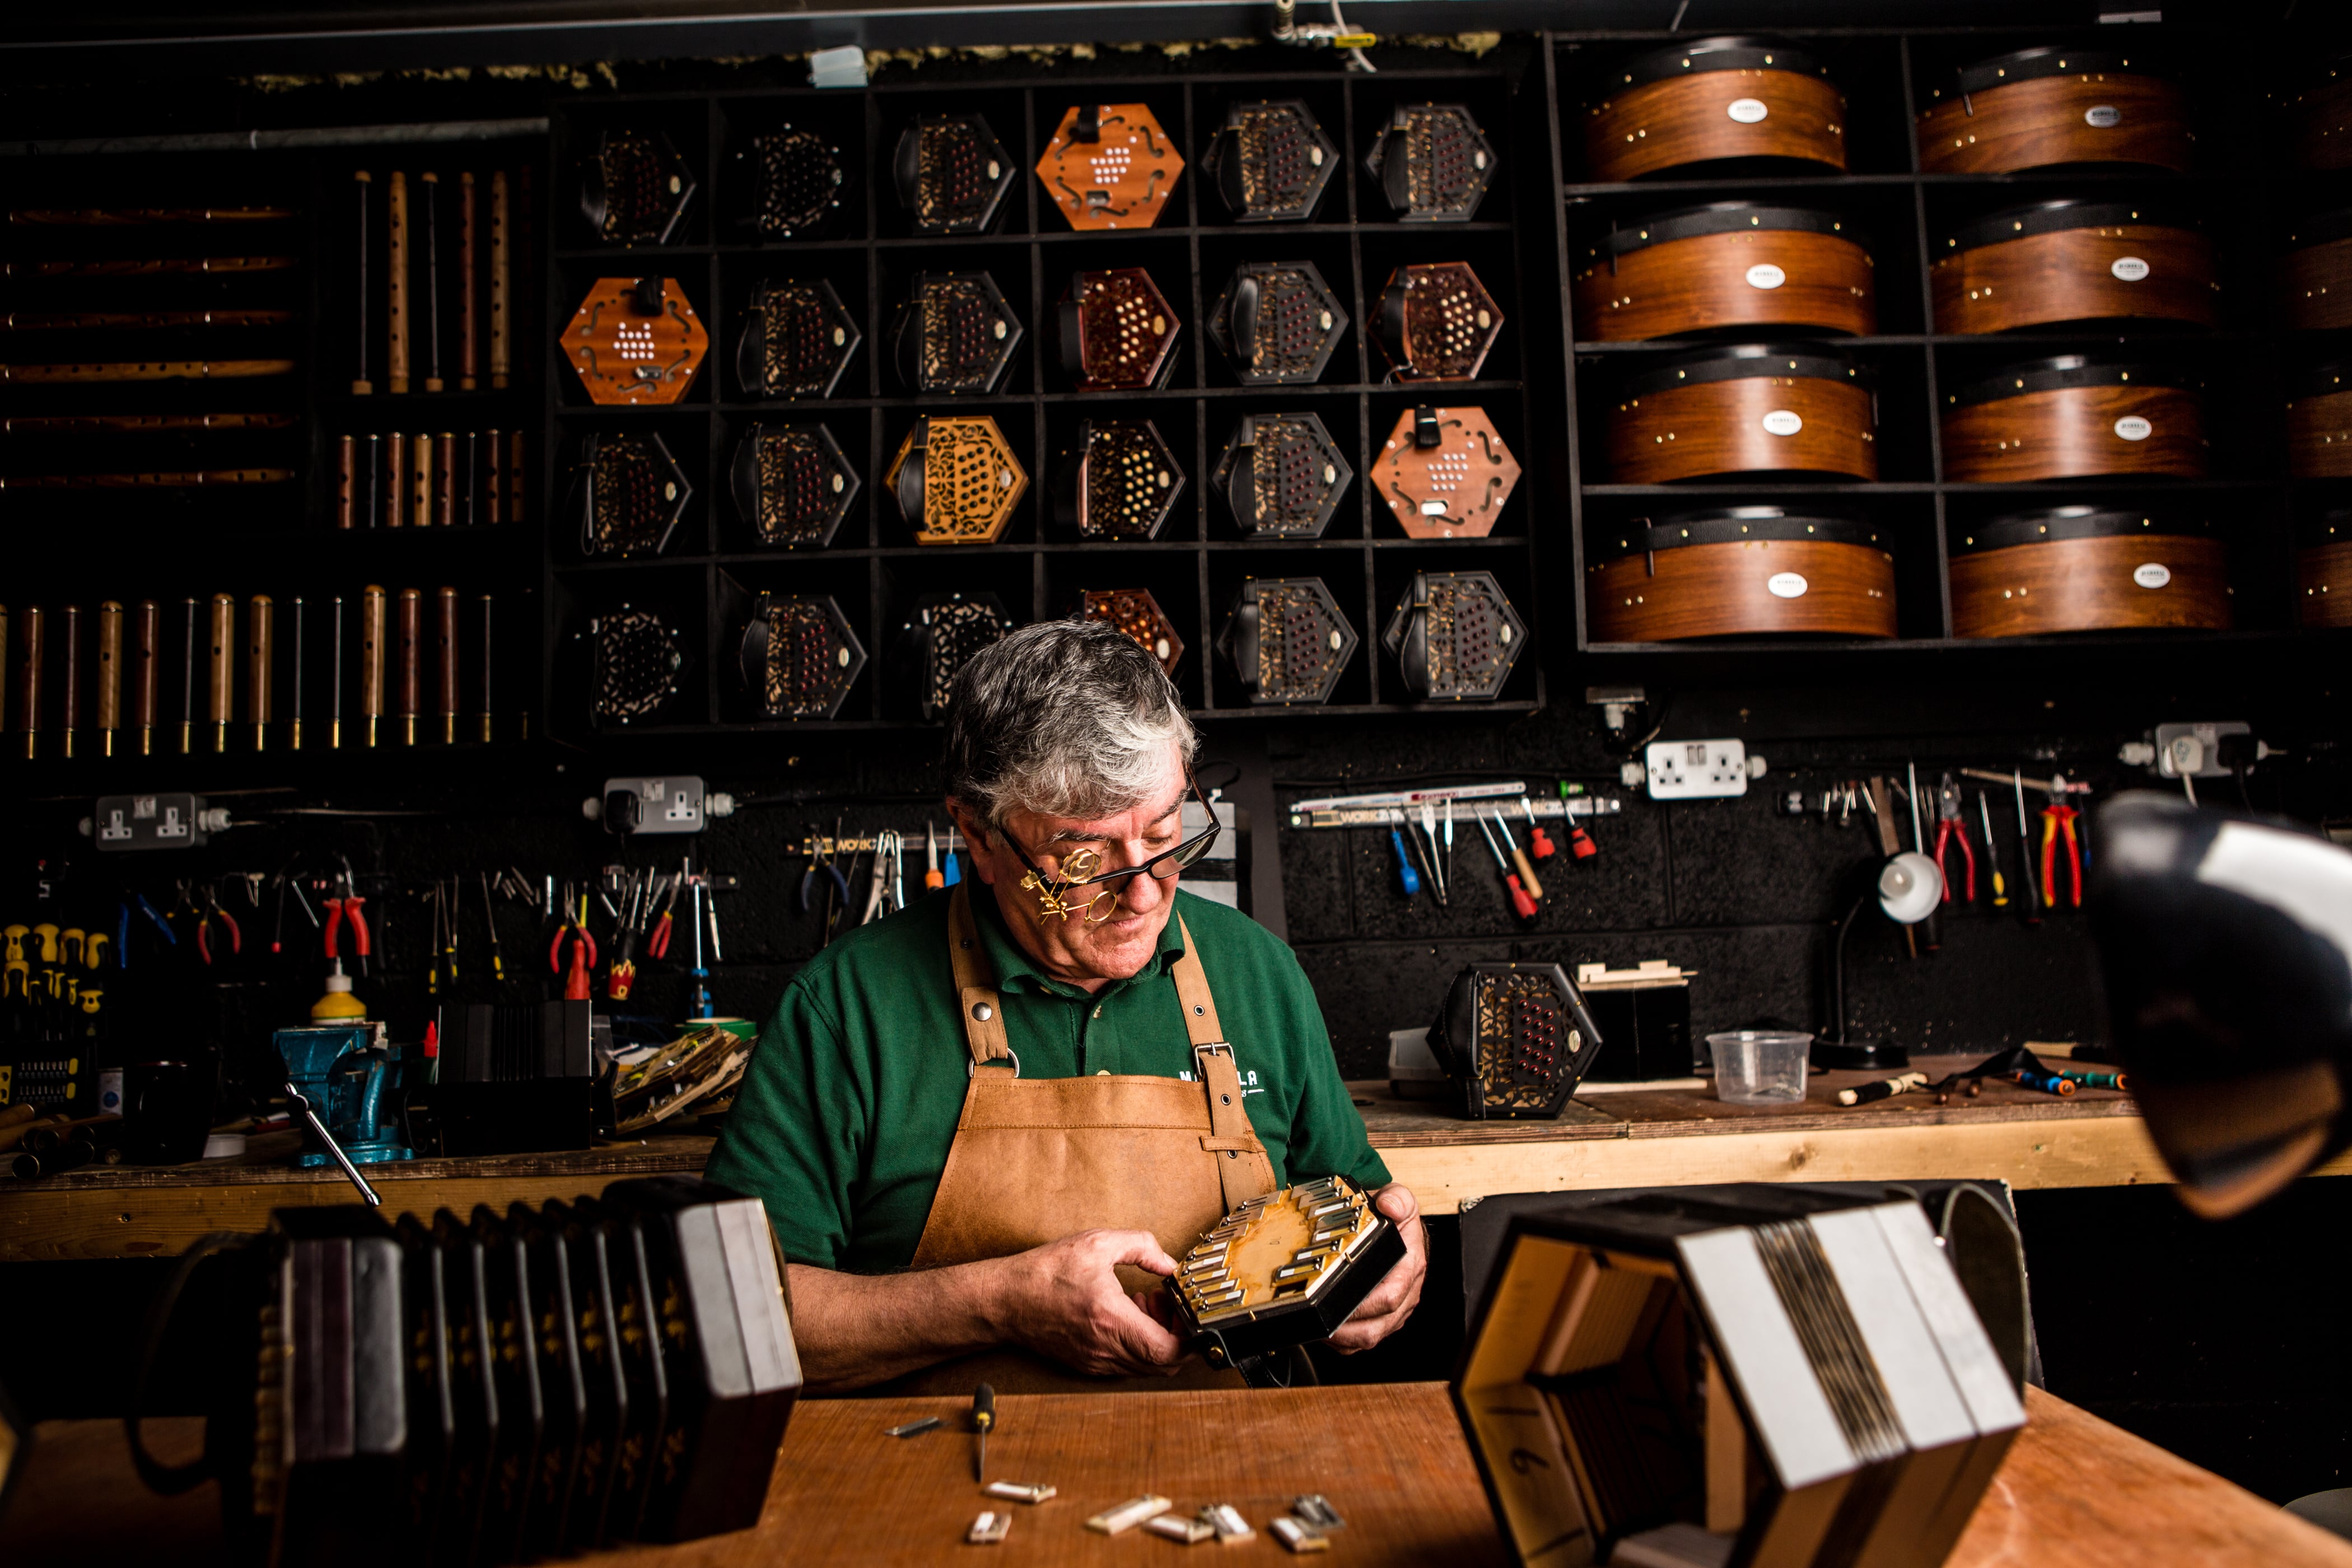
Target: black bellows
x,y
508,1388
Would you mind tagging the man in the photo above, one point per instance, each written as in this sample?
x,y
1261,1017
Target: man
x,y
982,1126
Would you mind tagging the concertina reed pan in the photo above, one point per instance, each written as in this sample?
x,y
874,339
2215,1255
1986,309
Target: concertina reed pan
x,y
2072,260
1709,100
1749,570
2075,417
2087,568
2051,105
1745,409
1726,265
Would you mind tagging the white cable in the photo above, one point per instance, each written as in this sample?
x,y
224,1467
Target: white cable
x,y
1355,60
2188,788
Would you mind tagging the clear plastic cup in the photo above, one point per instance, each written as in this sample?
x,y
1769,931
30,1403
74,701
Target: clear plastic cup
x,y
1759,1066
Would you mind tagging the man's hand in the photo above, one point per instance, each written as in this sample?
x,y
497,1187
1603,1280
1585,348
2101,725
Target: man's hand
x,y
1063,1301
1392,1301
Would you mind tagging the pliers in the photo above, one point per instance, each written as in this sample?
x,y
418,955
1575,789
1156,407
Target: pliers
x,y
207,912
820,865
346,906
2059,817
584,958
1949,826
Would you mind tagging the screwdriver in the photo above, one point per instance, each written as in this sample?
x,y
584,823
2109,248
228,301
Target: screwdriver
x,y
1429,827
1526,868
932,876
2025,853
983,1419
1984,814
1521,905
1543,847
1405,873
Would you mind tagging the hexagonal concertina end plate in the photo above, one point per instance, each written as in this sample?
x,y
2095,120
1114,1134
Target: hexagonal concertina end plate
x,y
792,484
1433,163
797,339
1445,473
953,334
956,479
1277,323
1117,330
1135,612
1281,476
1271,162
1454,636
636,341
1436,322
799,657
1286,640
1119,482
1109,165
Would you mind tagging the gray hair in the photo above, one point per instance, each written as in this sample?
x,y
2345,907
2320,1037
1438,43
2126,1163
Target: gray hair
x,y
1064,719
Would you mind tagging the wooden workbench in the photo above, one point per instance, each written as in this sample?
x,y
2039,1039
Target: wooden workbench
x,y
1653,1138
2073,1493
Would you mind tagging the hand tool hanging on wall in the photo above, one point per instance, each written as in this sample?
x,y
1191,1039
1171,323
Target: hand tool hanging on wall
x,y
371,656
220,688
1521,905
2057,819
932,877
2028,886
1931,929
697,998
1437,873
409,644
260,626
1950,828
1540,843
1407,879
1992,856
1881,797
70,673
396,277
361,385
146,670
1519,857
109,674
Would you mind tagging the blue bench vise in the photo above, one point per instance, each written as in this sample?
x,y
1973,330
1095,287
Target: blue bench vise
x,y
345,1070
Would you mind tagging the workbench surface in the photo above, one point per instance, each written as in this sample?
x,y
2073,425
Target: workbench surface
x,y
2073,1493
1606,1139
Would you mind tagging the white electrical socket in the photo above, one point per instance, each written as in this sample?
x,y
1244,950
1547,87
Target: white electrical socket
x,y
672,805
2194,750
1698,770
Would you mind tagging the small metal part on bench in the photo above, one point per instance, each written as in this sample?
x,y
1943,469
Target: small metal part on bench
x,y
632,493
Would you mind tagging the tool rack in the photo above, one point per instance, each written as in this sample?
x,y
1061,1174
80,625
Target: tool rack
x,y
1197,564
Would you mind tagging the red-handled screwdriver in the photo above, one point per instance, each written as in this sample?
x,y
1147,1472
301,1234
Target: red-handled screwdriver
x,y
1521,905
1538,842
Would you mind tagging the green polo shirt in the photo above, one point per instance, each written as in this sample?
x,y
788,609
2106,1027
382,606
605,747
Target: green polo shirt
x,y
843,1123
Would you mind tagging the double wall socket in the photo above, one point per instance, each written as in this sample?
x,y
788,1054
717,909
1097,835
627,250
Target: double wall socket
x,y
1700,770
672,805
152,822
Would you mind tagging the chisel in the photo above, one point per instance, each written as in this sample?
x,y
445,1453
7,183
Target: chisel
x,y
445,636
28,681
70,674
396,283
146,671
260,624
191,611
109,674
371,659
410,637
468,354
219,692
294,682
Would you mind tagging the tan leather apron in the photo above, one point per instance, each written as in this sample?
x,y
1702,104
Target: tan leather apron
x,y
1035,1160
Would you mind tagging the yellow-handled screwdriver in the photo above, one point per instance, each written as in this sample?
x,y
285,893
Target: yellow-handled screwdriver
x,y
983,1420
1984,814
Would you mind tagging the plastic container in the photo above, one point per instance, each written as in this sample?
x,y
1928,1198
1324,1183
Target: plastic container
x,y
1759,1066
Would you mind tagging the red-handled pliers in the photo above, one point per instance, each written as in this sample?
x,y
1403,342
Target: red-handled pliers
x,y
1949,826
2059,817
347,907
583,958
209,912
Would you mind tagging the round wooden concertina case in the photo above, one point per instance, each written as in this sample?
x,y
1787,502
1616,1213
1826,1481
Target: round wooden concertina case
x,y
1729,264
2085,568
2323,570
2072,260
2318,120
2320,423
1713,99
1748,408
2075,417
2052,105
1749,570
2315,275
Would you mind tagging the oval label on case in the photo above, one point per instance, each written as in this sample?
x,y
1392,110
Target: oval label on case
x,y
1746,110
2105,116
2130,268
1783,422
1764,275
1787,584
2132,428
2151,574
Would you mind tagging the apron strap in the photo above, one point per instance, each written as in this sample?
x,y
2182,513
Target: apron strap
x,y
1242,1164
976,1000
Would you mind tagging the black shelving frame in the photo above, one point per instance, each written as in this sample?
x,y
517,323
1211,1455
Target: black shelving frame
x,y
1197,564
2239,193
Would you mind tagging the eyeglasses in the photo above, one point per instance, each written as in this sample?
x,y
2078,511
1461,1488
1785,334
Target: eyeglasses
x,y
1081,869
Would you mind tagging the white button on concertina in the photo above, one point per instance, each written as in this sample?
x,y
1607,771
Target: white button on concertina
x,y
2151,575
2129,268
1783,422
1764,275
2132,428
1787,584
2104,116
1746,110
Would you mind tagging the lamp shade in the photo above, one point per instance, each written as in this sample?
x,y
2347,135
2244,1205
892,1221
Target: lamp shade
x,y
1910,886
2225,949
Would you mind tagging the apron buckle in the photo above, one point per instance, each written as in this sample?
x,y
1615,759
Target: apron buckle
x,y
971,1067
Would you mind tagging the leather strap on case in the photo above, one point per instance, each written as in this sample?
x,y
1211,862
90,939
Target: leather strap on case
x,y
976,1000
1244,1171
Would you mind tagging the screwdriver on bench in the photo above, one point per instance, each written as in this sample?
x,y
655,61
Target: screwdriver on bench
x,y
983,1419
1521,905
